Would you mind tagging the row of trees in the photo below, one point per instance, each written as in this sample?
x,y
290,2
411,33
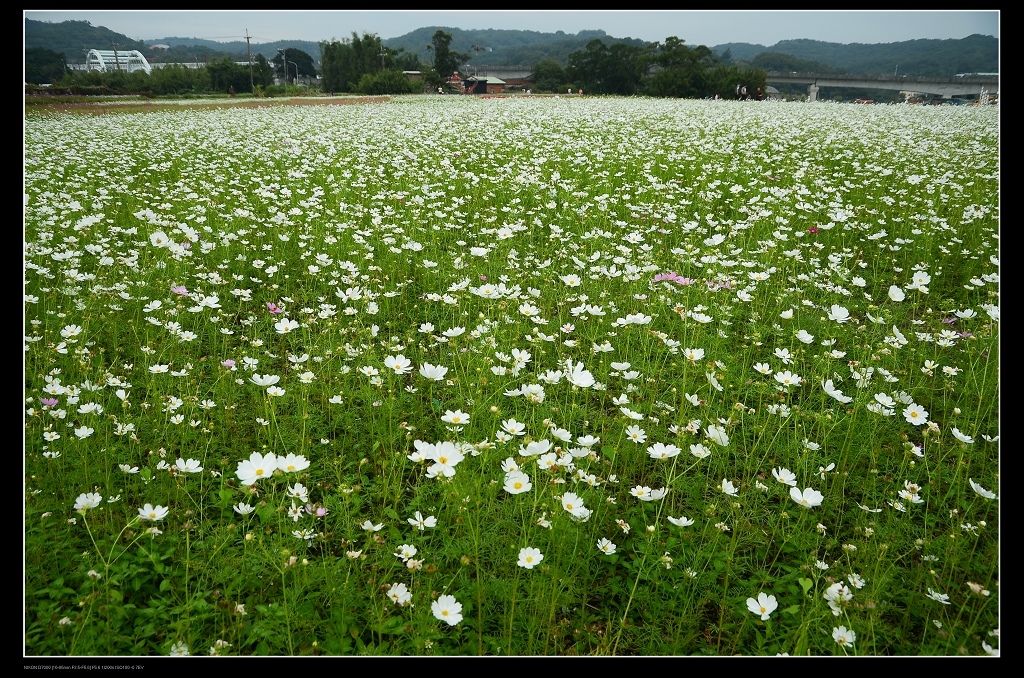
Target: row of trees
x,y
661,69
364,65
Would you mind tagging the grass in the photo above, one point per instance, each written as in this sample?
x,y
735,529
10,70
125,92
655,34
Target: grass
x,y
618,331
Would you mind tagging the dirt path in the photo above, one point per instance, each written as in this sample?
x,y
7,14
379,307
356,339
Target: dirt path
x,y
103,105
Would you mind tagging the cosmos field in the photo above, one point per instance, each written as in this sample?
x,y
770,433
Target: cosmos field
x,y
520,376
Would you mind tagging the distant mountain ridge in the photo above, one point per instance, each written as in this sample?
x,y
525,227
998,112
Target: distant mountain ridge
x,y
505,48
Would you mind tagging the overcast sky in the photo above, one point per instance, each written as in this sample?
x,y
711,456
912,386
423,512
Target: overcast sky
x,y
695,27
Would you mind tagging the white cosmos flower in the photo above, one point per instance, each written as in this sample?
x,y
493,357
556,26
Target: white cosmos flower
x,y
159,239
399,364
535,448
188,466
784,476
896,294
787,378
636,416
987,494
838,313
517,482
915,414
700,451
962,437
433,372
693,354
456,418
718,434
681,521
809,498
644,493
577,376
264,379
284,326
830,389
662,451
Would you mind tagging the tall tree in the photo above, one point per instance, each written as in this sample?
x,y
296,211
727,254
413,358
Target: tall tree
x,y
345,62
303,63
262,72
678,70
600,69
446,62
549,76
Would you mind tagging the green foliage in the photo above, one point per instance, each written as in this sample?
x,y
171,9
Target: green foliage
x,y
226,75
548,76
386,82
600,69
345,63
43,65
300,64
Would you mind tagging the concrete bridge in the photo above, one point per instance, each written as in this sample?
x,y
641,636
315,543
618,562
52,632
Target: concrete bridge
x,y
968,85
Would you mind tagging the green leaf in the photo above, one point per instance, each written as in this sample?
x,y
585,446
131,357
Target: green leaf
x,y
805,584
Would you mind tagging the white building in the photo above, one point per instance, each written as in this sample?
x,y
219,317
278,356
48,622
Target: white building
x,y
110,60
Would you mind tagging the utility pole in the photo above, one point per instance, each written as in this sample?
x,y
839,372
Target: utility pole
x,y
477,49
117,62
252,87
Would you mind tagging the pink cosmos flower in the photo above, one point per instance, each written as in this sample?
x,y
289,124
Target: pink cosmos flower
x,y
812,229
272,307
672,276
228,363
318,511
49,402
180,290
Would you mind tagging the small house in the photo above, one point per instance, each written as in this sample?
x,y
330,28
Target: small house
x,y
483,84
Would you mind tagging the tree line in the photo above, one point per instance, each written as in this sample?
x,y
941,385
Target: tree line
x,y
364,65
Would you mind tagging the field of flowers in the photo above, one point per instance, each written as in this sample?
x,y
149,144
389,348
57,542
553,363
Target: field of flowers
x,y
522,376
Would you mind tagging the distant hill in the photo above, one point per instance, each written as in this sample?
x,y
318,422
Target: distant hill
x,y
74,38
925,57
239,49
501,47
